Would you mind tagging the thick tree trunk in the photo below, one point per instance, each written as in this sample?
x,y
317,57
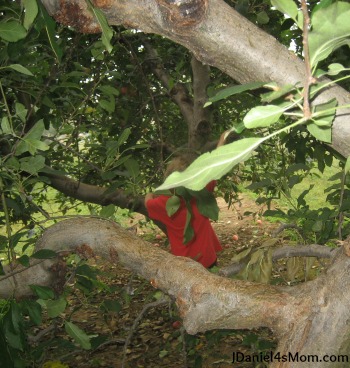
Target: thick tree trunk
x,y
310,319
216,34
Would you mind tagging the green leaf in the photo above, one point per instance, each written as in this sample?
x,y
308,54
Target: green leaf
x,y
262,116
109,90
107,31
43,292
229,91
172,205
107,211
50,26
206,203
124,136
278,91
23,260
289,8
44,254
21,69
347,166
12,31
78,335
21,111
325,113
55,307
335,68
323,134
262,17
132,167
5,126
330,30
34,310
212,165
112,306
31,11
32,165
31,141
188,231
108,105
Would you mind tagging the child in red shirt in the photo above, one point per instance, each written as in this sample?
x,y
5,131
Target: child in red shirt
x,y
205,244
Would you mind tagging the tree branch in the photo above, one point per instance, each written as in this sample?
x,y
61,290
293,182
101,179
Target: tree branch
x,y
312,250
232,303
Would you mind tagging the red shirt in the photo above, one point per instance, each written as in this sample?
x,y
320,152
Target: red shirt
x,y
203,246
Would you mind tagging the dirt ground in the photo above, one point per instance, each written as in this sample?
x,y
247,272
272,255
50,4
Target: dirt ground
x,y
157,339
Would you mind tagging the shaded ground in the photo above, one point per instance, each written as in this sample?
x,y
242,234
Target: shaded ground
x,y
158,339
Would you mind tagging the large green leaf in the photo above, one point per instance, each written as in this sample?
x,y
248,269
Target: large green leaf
x,y
330,30
212,165
12,31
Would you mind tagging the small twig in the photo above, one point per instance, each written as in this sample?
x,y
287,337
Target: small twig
x,y
312,250
184,350
284,226
42,333
341,214
309,78
163,301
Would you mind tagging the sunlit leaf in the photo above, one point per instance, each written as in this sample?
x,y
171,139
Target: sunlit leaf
x,y
212,165
323,134
262,116
330,30
325,113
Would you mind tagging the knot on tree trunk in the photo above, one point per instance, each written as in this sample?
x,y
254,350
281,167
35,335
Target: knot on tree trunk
x,y
183,14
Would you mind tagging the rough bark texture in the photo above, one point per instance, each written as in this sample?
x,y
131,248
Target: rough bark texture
x,y
216,34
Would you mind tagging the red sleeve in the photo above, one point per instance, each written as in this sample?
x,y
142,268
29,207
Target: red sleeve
x,y
211,186
156,208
